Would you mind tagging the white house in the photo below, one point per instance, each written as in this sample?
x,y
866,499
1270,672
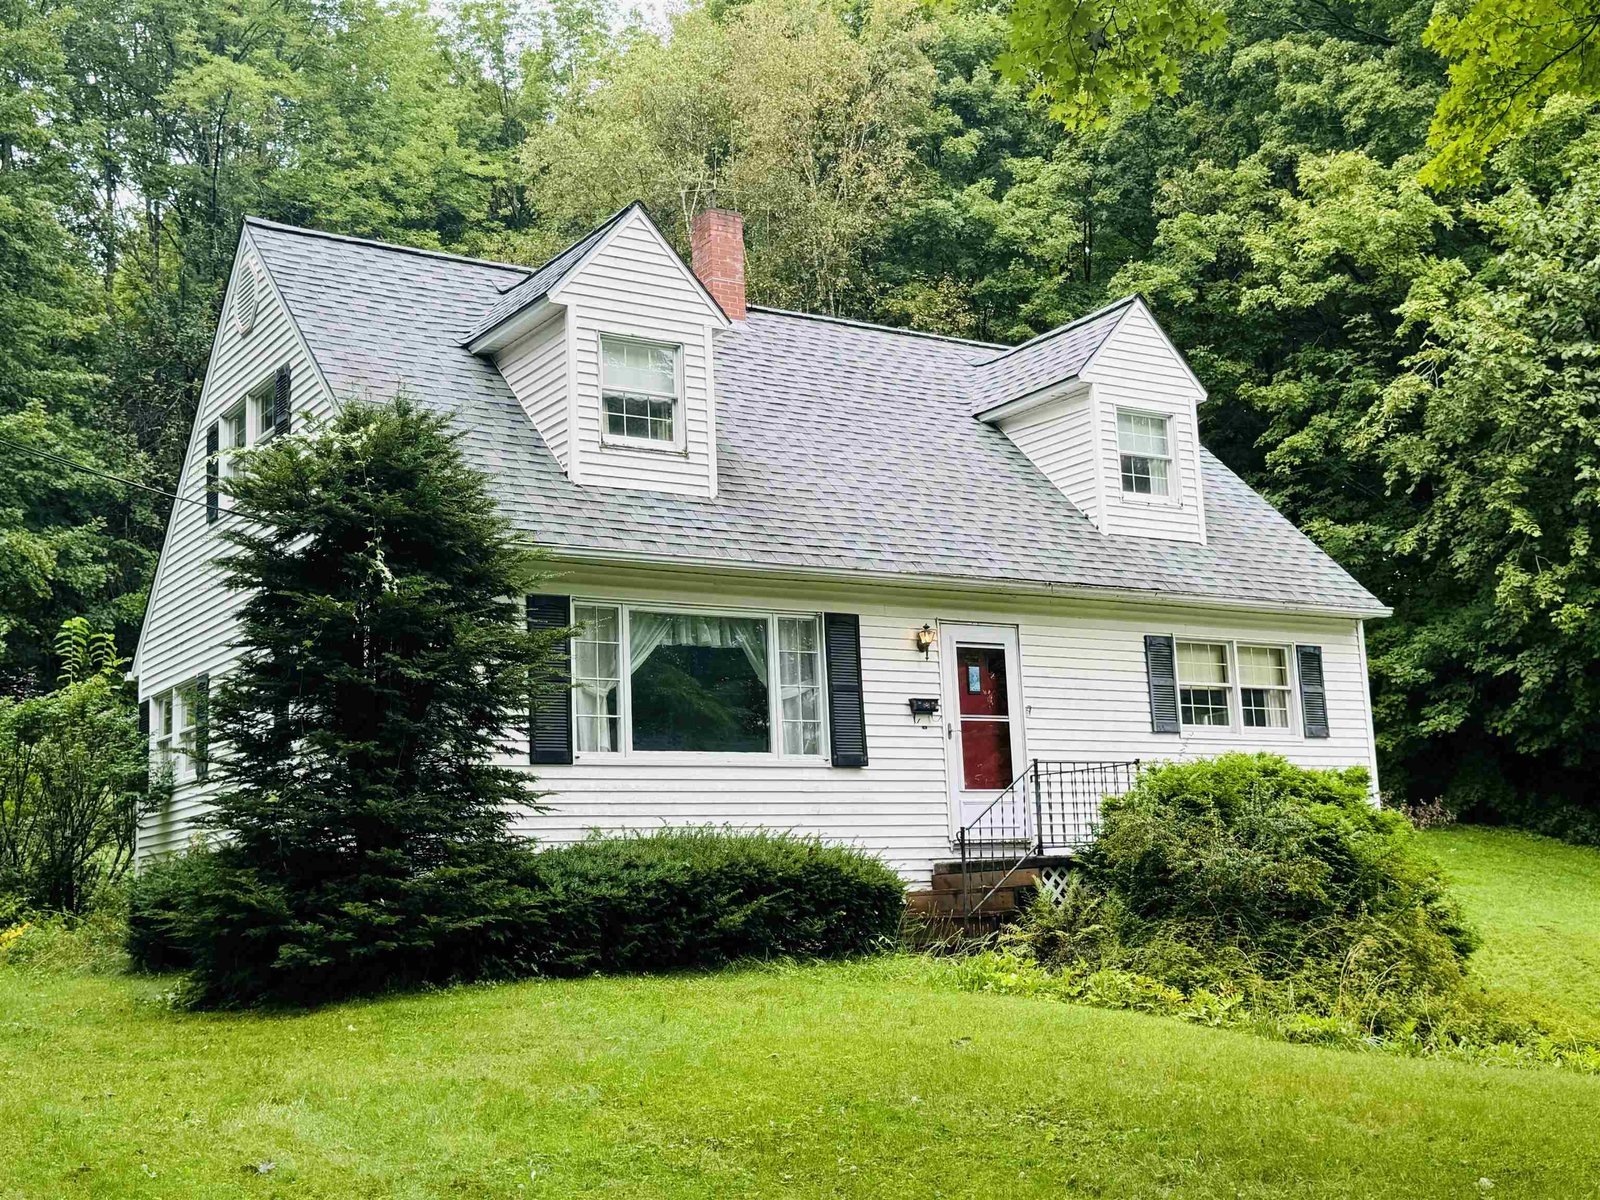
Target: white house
x,y
831,577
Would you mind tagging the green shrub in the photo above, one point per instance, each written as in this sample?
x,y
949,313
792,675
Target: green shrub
x,y
703,898
156,897
1247,874
667,900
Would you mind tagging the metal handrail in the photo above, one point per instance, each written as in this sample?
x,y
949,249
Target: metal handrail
x,y
1064,812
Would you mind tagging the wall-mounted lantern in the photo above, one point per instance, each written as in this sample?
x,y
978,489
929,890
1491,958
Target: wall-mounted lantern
x,y
925,638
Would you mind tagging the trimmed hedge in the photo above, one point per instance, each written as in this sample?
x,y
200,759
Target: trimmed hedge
x,y
674,899
703,897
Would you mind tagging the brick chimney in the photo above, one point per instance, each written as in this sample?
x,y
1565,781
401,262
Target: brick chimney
x,y
717,240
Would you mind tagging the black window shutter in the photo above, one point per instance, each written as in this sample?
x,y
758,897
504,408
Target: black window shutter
x,y
1313,693
211,473
144,732
202,727
550,715
847,717
1161,669
280,402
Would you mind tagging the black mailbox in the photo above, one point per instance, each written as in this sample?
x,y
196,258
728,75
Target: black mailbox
x,y
924,707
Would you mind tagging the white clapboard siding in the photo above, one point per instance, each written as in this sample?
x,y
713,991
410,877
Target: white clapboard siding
x,y
1138,369
635,286
535,368
1084,690
191,616
1058,438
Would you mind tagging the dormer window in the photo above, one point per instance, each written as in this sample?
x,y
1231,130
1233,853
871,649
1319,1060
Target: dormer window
x,y
639,392
1145,444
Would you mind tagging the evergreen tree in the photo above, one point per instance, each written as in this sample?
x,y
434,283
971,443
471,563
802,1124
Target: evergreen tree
x,y
384,657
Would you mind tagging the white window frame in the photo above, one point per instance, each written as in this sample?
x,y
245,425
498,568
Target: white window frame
x,y
679,416
172,730
258,403
238,419
1289,690
163,724
1170,496
624,748
1235,688
1226,687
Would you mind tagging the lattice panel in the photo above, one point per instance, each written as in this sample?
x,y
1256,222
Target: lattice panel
x,y
1053,882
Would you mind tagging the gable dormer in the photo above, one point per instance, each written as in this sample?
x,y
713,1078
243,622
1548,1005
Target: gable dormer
x,y
608,347
1106,408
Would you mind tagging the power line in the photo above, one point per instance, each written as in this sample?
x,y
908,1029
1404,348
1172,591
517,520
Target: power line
x,y
133,483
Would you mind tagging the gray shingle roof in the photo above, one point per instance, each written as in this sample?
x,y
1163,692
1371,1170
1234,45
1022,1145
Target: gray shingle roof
x,y
537,285
841,448
1049,358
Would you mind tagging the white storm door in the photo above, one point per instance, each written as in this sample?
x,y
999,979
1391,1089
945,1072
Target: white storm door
x,y
983,715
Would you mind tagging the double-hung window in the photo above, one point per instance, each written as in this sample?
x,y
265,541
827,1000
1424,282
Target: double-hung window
x,y
231,438
648,679
639,392
1204,684
161,727
172,730
1145,444
1217,680
1264,689
261,403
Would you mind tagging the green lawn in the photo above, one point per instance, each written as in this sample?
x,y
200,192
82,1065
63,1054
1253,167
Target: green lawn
x,y
1537,902
862,1080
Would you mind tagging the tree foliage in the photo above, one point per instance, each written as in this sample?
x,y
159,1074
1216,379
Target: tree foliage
x,y
1357,331
384,661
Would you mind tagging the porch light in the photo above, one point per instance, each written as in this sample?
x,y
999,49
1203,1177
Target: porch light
x,y
925,638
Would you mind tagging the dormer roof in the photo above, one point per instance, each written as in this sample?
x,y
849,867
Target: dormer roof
x,y
844,450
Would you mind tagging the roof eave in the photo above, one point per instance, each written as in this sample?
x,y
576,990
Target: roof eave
x,y
1018,587
1016,406
525,319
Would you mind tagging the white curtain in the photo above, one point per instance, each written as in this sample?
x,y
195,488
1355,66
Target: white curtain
x,y
648,632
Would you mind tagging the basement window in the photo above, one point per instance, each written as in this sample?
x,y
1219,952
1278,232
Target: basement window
x,y
639,392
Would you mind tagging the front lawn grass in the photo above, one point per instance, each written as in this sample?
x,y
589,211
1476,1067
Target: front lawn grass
x,y
856,1080
1537,903
861,1080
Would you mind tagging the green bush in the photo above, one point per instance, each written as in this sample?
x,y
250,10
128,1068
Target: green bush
x,y
156,898
1247,874
667,900
702,898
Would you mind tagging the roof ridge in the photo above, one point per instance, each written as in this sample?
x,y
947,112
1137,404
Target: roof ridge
x,y
1075,323
832,320
397,247
576,242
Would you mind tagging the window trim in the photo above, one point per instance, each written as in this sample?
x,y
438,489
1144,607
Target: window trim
x,y
611,441
1171,498
1235,688
265,392
772,757
1290,690
175,710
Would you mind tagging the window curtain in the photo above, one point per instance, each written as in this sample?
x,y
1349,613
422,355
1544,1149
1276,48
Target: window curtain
x,y
648,632
592,699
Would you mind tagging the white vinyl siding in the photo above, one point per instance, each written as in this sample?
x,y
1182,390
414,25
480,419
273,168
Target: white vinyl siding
x,y
1083,680
535,368
190,624
1058,438
634,287
1137,371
